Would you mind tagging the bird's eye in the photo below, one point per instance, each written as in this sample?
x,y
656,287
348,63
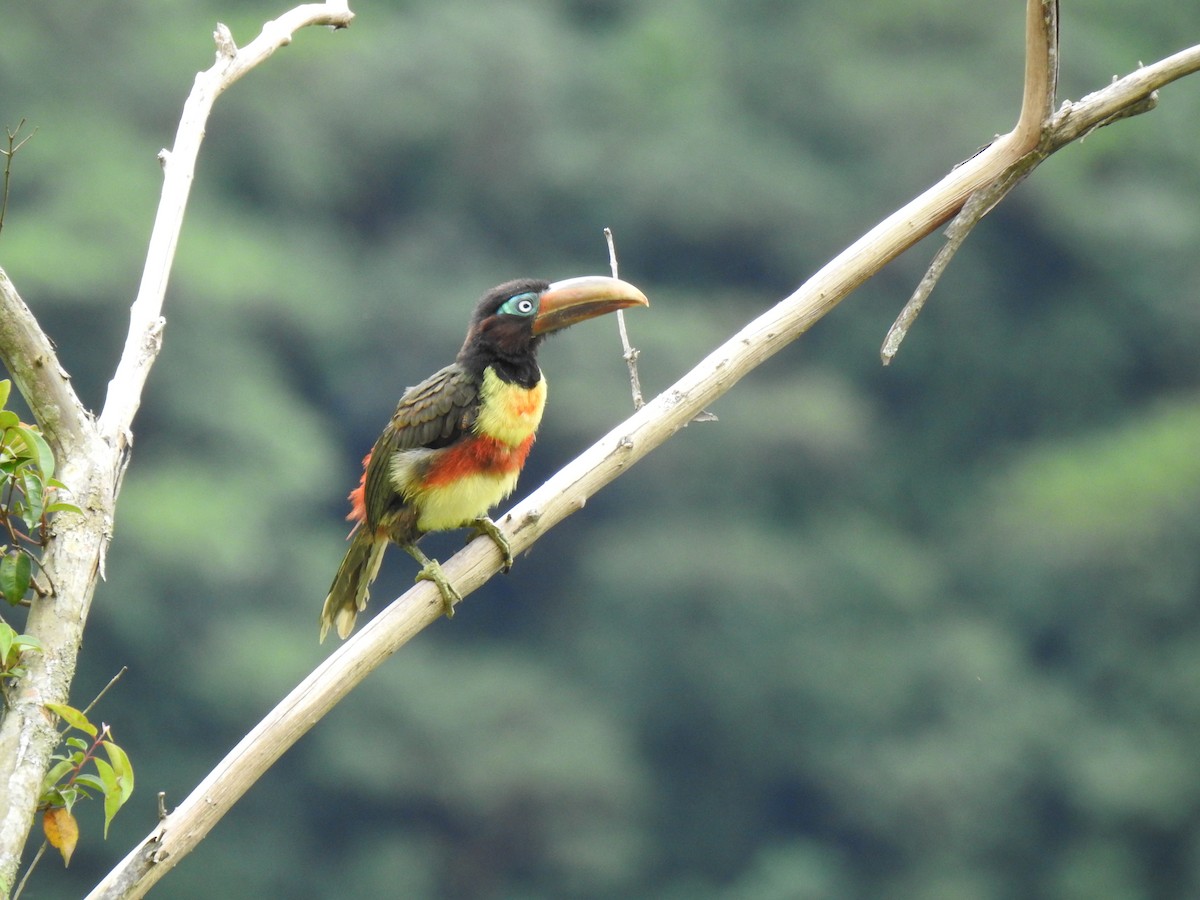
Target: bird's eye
x,y
520,305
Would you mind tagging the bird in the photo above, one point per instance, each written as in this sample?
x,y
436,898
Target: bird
x,y
457,441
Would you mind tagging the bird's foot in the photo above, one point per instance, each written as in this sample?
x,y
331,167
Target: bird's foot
x,y
431,570
484,525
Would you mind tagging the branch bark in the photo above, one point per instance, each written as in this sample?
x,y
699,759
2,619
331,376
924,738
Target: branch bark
x,y
29,357
649,427
92,455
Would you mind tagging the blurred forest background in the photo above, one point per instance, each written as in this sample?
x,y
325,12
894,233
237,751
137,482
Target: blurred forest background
x,y
927,631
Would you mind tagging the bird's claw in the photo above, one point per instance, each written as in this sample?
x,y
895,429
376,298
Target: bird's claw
x,y
484,525
432,571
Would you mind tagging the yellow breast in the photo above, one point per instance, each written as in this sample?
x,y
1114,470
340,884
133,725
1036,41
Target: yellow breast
x,y
509,412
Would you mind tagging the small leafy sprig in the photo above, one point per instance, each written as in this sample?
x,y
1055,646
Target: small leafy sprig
x,y
12,646
67,781
27,501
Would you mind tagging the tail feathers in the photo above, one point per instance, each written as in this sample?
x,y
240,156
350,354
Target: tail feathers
x,y
351,586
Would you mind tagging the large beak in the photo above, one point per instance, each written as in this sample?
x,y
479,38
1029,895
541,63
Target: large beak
x,y
576,299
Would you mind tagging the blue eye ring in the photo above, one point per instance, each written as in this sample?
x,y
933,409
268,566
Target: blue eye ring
x,y
520,305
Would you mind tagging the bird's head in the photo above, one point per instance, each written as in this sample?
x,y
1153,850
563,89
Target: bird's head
x,y
511,320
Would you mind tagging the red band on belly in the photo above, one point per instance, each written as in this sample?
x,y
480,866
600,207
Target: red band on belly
x,y
477,455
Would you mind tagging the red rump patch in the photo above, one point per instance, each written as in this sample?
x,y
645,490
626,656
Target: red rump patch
x,y
478,455
358,497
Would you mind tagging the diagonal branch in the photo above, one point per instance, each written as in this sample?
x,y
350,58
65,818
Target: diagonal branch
x,y
568,490
179,166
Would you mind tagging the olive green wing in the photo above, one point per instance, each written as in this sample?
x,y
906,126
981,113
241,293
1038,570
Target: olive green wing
x,y
433,414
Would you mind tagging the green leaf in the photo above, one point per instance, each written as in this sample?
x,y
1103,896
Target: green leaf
x,y
50,797
72,717
35,494
122,768
8,419
7,637
117,779
26,642
62,507
12,645
94,782
38,450
78,743
68,795
54,776
15,575
5,388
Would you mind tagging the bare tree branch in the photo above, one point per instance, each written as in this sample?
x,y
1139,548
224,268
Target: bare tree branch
x,y
649,427
1041,84
179,167
629,352
1130,96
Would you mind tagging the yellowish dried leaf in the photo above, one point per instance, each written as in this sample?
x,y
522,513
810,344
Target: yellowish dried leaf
x,y
62,831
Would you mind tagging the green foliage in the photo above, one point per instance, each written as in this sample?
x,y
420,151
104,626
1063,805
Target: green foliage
x,y
66,781
12,646
27,489
1103,490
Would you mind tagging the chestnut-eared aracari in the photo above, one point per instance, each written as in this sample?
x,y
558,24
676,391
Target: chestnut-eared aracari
x,y
457,441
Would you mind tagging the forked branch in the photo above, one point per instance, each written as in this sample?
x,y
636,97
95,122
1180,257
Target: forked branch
x,y
1044,131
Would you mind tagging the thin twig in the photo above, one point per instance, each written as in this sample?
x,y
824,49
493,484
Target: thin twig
x,y
13,147
630,353
37,857
980,203
87,709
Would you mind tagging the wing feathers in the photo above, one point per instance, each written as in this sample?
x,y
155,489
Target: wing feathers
x,y
432,414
